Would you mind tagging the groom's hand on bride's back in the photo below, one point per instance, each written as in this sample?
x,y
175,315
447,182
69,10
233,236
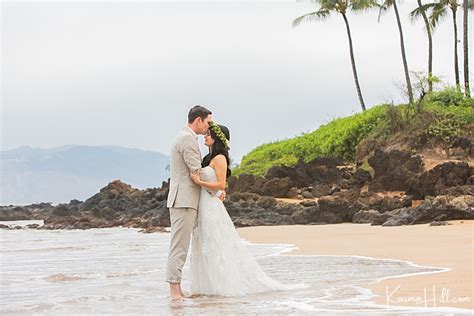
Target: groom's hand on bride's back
x,y
196,177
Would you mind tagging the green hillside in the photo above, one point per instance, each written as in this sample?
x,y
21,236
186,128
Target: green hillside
x,y
441,115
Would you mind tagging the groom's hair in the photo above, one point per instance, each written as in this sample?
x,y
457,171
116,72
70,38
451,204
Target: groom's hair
x,y
198,111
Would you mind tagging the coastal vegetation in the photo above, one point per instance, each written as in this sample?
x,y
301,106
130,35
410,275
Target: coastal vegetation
x,y
440,116
428,116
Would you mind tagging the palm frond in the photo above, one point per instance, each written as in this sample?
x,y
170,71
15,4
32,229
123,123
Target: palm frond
x,y
328,4
362,5
387,3
382,9
419,10
470,4
313,16
439,11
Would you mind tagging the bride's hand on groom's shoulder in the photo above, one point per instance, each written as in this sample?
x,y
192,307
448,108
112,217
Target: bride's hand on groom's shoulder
x,y
195,177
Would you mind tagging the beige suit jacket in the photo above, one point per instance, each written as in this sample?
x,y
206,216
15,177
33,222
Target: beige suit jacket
x,y
184,158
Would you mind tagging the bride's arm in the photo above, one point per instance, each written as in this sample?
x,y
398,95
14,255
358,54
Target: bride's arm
x,y
220,165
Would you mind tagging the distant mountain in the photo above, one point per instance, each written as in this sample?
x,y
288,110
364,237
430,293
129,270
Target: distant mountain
x,y
59,174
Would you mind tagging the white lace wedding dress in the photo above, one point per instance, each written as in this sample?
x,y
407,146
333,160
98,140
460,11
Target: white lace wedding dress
x,y
220,263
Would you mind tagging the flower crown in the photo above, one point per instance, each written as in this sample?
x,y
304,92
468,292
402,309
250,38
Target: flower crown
x,y
218,131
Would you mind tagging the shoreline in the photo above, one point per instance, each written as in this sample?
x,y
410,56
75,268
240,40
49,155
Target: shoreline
x,y
448,247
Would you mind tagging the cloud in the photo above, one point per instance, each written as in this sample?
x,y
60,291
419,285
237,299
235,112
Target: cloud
x,y
126,74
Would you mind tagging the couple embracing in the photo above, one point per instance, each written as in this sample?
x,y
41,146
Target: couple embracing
x,y
220,263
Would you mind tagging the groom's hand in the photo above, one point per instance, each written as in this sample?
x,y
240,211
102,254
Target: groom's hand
x,y
196,177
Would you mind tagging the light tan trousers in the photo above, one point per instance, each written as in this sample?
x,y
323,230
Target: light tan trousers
x,y
182,223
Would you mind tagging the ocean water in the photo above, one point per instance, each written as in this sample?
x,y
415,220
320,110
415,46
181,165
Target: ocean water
x,y
121,271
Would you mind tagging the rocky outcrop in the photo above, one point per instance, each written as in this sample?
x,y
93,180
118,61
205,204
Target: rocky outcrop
x,y
393,170
369,216
34,211
441,178
440,208
400,171
340,206
317,178
330,192
248,209
372,200
117,204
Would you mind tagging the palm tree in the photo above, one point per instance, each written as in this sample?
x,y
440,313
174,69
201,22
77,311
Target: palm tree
x,y
466,6
341,7
439,9
386,4
420,11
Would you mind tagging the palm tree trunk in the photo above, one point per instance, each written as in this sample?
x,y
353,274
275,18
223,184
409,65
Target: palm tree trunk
x,y
456,63
354,70
404,58
467,89
430,48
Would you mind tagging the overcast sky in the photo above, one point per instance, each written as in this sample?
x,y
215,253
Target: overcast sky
x,y
110,73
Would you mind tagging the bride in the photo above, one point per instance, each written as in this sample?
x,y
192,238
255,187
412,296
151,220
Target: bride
x,y
220,262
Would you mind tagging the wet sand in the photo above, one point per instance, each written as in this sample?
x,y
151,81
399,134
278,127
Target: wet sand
x,y
437,246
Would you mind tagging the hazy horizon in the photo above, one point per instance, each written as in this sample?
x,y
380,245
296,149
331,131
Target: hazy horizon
x,y
125,74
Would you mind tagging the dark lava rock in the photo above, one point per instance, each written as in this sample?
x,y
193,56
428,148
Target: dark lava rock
x,y
372,200
439,223
322,175
435,181
32,226
367,216
320,190
440,208
339,207
394,170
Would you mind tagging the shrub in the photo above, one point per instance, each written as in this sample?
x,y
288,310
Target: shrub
x,y
449,96
338,138
442,115
465,114
446,127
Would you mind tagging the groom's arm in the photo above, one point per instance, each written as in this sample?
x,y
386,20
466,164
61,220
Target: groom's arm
x,y
191,153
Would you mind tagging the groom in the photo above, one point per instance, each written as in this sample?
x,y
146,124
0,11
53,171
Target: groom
x,y
183,196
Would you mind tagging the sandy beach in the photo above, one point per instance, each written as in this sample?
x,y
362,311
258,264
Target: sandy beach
x,y
448,246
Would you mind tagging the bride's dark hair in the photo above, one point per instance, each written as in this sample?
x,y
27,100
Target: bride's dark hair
x,y
218,148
